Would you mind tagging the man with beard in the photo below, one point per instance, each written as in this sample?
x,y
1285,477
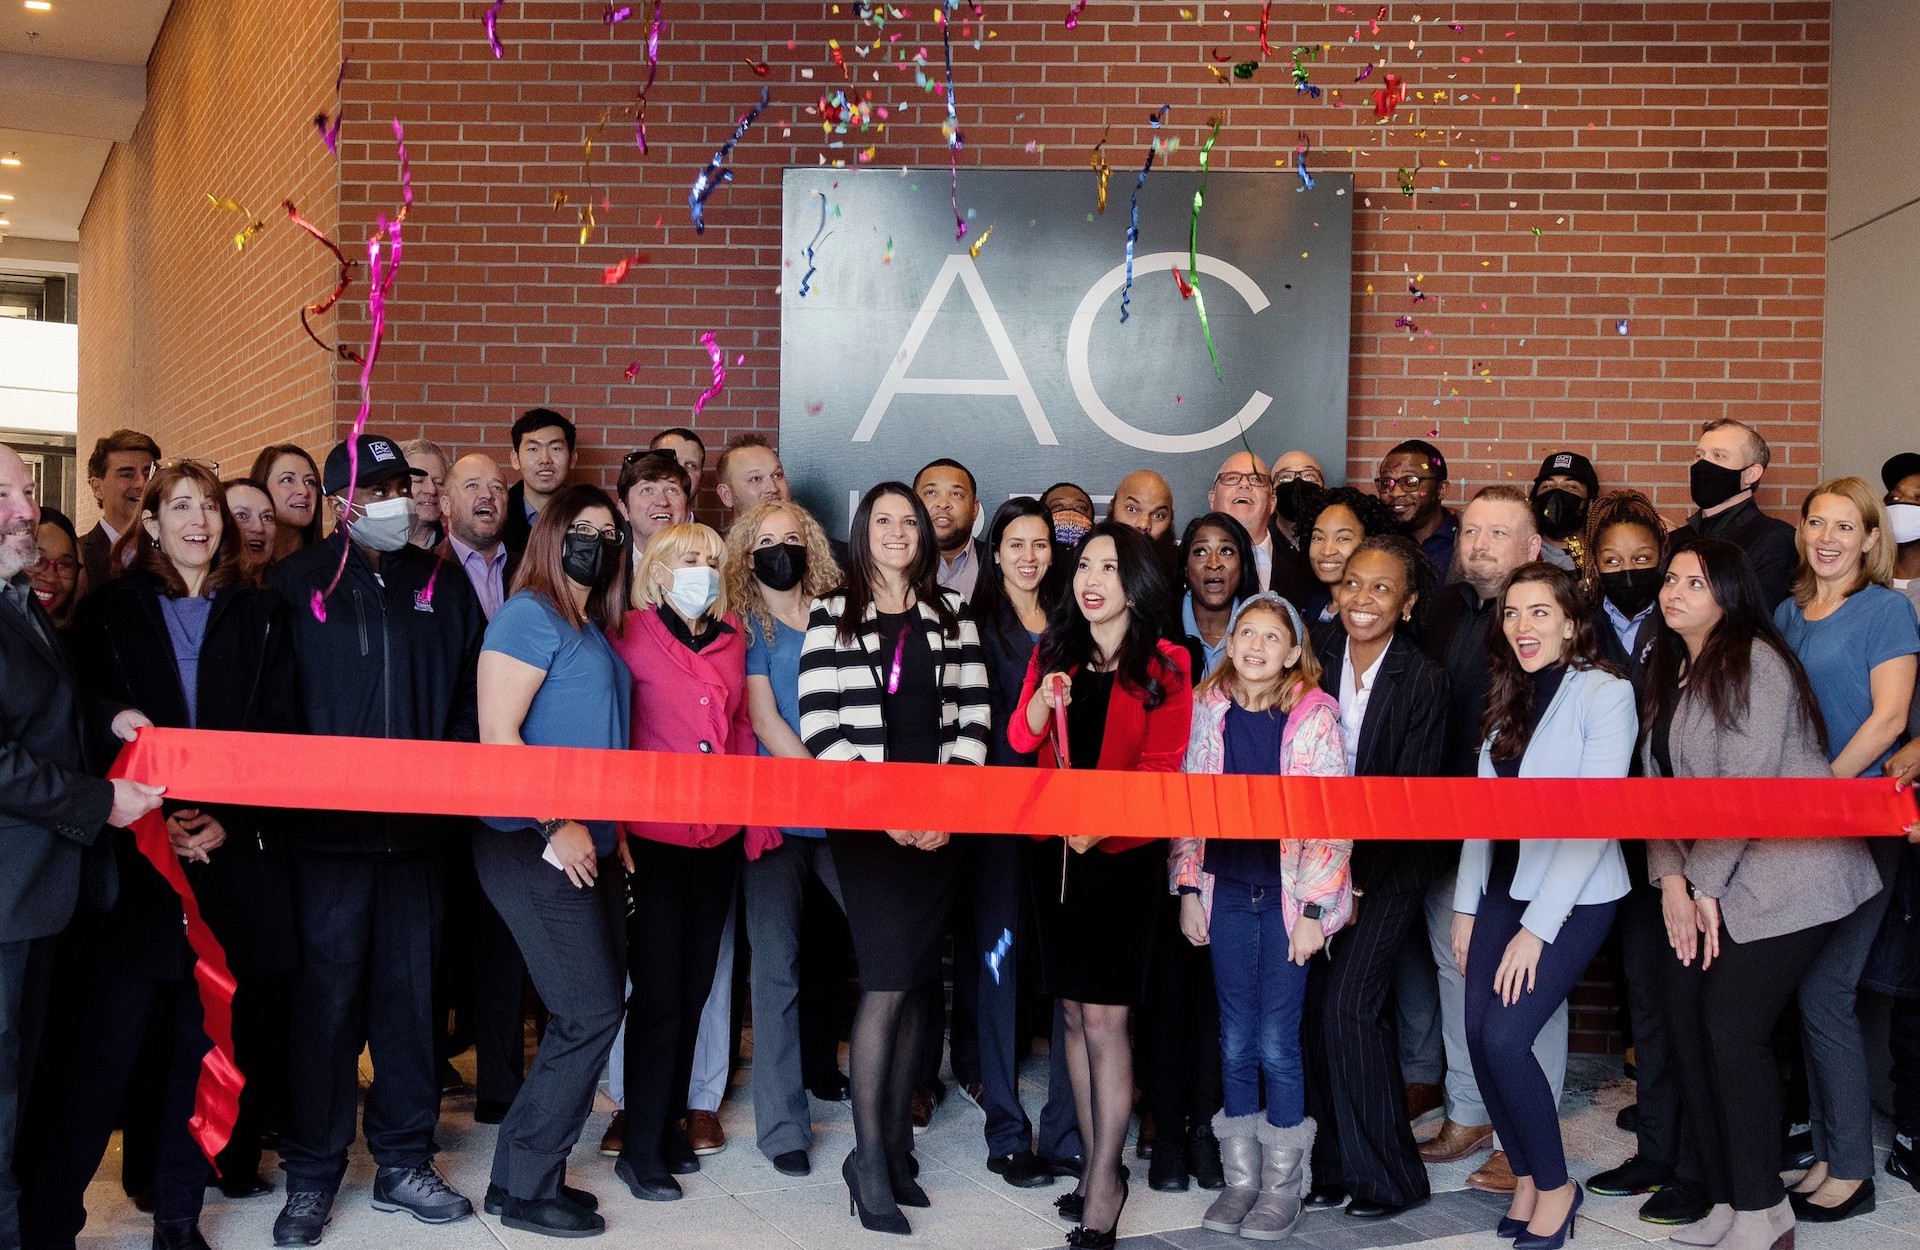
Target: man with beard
x,y
474,501
1729,461
1246,491
1411,481
117,473
1497,535
543,443
52,805
952,498
1144,501
1562,489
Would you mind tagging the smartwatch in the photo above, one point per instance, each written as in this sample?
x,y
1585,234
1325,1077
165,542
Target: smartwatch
x,y
1312,911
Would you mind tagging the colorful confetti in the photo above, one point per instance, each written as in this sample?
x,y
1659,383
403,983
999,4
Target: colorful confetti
x,y
1621,326
615,15
653,68
329,127
1300,163
1100,167
321,307
253,227
1133,226
490,19
980,242
1301,83
713,175
719,372
1266,13
1389,98
1073,20
1245,69
617,273
1180,282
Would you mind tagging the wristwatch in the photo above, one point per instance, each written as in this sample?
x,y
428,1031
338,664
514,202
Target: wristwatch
x,y
1312,911
547,828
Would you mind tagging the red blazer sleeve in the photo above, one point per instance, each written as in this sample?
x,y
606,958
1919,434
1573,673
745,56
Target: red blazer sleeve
x,y
1163,744
1019,737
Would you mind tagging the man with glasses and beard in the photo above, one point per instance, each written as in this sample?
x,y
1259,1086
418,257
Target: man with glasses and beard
x,y
1412,482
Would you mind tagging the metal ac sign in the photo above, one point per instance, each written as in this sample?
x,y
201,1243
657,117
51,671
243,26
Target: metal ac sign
x,y
906,347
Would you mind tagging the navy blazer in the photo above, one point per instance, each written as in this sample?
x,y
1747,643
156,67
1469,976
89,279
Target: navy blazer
x,y
1403,735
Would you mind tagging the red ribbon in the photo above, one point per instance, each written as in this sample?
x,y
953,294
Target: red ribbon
x,y
216,1096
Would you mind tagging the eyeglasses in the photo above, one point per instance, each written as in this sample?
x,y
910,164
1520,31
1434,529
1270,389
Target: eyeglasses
x,y
613,537
1302,475
1407,484
181,462
64,567
1247,479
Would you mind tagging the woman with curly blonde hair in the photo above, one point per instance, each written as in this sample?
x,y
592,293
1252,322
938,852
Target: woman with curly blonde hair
x,y
778,562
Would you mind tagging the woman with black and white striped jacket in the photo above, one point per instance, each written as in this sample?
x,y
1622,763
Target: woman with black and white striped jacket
x,y
892,670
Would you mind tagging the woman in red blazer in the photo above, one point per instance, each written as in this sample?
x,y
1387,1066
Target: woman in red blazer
x,y
1127,697
688,657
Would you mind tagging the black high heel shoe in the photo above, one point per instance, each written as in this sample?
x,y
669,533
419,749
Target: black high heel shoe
x,y
1071,1206
1558,1238
1509,1227
1084,1238
872,1221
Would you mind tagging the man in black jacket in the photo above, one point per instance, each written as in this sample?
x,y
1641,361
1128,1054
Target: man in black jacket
x,y
390,652
1729,461
543,444
52,806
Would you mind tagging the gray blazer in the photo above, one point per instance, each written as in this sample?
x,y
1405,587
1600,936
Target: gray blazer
x,y
1767,887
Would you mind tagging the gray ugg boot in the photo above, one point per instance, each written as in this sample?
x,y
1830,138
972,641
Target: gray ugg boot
x,y
1240,1160
1285,1177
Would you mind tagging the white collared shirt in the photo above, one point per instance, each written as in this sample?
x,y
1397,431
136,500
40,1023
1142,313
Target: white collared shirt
x,y
1353,702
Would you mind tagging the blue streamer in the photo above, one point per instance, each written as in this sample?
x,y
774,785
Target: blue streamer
x,y
713,175
819,236
1133,226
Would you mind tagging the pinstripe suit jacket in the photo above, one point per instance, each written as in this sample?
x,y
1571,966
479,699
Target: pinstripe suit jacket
x,y
1403,735
841,687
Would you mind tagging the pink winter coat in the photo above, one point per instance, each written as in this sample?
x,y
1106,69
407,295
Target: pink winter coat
x,y
1315,870
686,701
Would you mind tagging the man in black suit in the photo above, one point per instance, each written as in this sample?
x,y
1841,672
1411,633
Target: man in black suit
x,y
543,443
1729,461
52,806
117,473
952,497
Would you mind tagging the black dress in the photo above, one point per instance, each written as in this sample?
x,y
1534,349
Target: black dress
x,y
1097,932
897,896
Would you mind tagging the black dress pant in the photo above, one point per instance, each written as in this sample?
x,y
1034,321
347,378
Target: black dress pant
x,y
1644,956
1722,1021
574,941
83,1077
483,979
1350,1042
1903,1037
680,898
369,931
1177,1029
826,973
26,976
262,1014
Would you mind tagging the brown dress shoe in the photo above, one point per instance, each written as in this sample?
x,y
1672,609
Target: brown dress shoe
x,y
704,1133
922,1108
1495,1176
1455,1141
615,1136
1423,1100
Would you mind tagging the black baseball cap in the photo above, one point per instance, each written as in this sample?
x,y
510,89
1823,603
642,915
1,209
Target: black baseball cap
x,y
1568,464
1899,468
377,460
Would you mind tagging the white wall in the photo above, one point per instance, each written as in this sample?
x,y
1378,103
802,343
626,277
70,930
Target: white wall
x,y
39,375
1872,368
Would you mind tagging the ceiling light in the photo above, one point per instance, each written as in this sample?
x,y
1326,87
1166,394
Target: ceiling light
x,y
40,6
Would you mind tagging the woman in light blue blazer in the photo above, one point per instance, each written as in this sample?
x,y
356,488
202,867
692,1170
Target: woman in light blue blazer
x,y
1530,916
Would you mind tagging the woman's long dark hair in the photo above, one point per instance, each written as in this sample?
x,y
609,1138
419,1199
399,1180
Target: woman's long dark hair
x,y
1068,642
543,571
922,576
1226,523
991,608
263,465
1509,717
1720,677
1374,516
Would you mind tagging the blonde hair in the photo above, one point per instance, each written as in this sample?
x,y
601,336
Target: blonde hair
x,y
1876,562
1294,683
743,588
666,548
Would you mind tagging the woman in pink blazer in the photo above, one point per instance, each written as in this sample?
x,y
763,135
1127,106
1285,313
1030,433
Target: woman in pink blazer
x,y
688,657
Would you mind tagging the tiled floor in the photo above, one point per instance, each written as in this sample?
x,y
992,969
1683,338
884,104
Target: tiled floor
x,y
738,1202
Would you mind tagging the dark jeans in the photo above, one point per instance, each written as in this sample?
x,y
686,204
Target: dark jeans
x,y
680,898
484,979
986,992
1644,955
1177,1030
1354,1088
1722,1021
77,1094
1261,994
573,941
1519,1098
26,977
369,929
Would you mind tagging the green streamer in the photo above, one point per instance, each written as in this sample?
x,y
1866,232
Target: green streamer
x,y
1193,248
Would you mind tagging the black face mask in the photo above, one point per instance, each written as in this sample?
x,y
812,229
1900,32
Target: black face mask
x,y
1561,512
583,558
781,566
1290,498
1631,590
1712,484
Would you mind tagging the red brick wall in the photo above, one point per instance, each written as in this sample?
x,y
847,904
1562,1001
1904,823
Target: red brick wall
x,y
1672,157
181,335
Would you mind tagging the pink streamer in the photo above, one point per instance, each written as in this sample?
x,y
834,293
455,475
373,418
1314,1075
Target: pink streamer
x,y
1073,14
491,20
719,372
653,67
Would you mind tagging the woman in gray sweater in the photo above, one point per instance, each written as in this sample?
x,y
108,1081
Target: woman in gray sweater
x,y
1725,697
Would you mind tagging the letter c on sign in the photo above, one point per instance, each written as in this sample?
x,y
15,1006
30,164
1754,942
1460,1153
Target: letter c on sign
x,y
1080,373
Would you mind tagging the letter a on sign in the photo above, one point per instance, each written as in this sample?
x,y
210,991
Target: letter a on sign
x,y
1013,380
